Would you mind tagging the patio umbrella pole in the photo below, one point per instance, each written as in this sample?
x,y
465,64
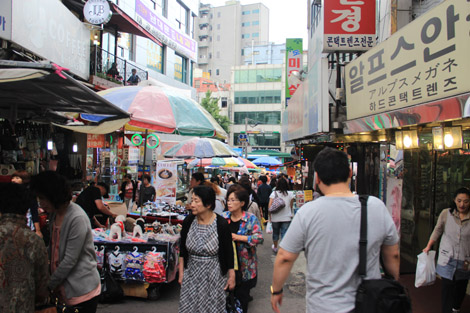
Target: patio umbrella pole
x,y
143,173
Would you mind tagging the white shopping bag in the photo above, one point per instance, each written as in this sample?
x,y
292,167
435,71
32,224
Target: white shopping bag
x,y
425,269
269,228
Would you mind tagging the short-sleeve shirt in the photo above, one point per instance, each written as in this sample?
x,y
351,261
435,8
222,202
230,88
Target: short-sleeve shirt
x,y
285,214
87,200
328,230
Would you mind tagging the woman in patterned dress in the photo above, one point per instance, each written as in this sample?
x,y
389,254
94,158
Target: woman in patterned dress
x,y
206,258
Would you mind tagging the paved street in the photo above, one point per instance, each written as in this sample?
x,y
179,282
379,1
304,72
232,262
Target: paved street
x,y
293,302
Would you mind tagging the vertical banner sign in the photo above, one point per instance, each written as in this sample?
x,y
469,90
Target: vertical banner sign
x,y
349,25
165,181
294,52
5,19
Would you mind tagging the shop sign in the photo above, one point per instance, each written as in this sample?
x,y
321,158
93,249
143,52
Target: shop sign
x,y
5,19
294,62
165,33
425,61
97,11
165,180
133,154
349,25
47,28
95,141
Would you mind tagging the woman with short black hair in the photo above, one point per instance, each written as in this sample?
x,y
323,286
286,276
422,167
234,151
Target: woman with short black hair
x,y
75,278
281,219
206,258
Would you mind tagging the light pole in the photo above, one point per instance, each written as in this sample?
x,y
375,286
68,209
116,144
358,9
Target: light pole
x,y
254,124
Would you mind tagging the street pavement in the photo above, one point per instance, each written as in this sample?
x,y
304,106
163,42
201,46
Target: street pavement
x,y
293,301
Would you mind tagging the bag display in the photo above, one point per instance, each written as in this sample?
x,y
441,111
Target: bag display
x,y
377,295
269,228
425,269
277,204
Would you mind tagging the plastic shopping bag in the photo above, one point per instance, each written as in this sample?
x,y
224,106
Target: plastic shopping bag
x,y
426,269
269,228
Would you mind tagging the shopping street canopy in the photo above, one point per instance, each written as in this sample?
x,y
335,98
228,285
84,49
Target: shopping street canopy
x,y
44,92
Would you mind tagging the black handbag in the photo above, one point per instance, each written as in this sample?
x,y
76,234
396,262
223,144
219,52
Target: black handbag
x,y
232,304
111,290
377,295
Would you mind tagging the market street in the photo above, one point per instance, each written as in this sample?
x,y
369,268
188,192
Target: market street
x,y
294,292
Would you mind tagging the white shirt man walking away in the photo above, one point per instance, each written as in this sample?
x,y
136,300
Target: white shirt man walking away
x,y
328,230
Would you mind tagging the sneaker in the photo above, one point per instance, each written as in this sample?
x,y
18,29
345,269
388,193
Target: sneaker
x,y
455,311
274,249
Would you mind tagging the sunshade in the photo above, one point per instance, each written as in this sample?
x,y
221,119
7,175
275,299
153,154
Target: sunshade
x,y
266,161
200,148
221,162
162,110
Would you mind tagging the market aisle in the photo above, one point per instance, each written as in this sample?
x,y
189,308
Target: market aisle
x,y
294,297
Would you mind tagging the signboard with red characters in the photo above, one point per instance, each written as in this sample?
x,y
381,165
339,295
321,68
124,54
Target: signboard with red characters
x,y
349,25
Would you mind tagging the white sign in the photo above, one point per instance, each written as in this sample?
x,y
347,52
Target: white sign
x,y
47,28
97,11
165,179
5,19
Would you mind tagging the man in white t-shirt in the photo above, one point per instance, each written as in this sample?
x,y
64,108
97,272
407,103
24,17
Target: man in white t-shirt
x,y
328,230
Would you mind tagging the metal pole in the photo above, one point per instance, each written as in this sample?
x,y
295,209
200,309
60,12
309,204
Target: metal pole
x,y
246,139
143,173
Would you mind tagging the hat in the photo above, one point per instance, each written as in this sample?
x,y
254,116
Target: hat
x,y
106,187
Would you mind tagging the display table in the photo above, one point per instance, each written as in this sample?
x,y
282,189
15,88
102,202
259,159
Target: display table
x,y
151,219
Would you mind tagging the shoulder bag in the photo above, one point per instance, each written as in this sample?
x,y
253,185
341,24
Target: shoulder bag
x,y
377,295
277,204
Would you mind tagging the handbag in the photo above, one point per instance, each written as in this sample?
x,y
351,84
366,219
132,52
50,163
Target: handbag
x,y
277,204
111,290
233,305
384,295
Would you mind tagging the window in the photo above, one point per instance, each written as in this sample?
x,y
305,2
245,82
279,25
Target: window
x,y
246,12
218,26
244,24
155,56
255,35
256,11
244,36
181,64
223,102
266,117
217,72
258,96
243,52
263,139
210,72
255,52
160,6
258,75
255,23
218,14
182,17
210,55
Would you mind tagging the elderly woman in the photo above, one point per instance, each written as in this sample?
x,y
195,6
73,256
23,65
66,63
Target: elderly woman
x,y
247,234
74,276
206,257
454,250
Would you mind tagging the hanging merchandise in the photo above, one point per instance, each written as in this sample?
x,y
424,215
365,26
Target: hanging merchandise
x,y
134,266
116,263
99,258
154,267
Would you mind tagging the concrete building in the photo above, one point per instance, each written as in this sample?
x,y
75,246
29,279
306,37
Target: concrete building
x,y
269,53
223,32
258,103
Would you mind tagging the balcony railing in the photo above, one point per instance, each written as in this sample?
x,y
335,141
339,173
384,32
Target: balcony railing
x,y
101,61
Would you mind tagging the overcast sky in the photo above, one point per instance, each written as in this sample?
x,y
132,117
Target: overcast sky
x,y
287,18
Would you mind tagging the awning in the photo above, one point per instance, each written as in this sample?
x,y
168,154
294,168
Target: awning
x,y
41,92
126,24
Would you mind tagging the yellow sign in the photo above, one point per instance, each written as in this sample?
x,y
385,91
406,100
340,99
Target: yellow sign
x,y
424,61
308,195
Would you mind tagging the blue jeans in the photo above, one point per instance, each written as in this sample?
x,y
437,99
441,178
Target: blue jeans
x,y
279,228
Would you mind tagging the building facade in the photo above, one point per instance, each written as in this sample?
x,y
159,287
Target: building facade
x,y
224,32
269,53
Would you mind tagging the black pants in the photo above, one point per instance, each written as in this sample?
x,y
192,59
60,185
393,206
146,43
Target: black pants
x,y
264,209
453,293
85,307
242,292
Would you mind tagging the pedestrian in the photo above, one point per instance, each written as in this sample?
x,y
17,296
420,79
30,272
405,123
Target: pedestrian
x,y
206,257
196,180
32,215
128,190
218,181
134,79
113,71
253,207
91,201
147,191
247,234
273,182
264,191
24,270
231,181
453,226
219,197
328,230
74,275
281,219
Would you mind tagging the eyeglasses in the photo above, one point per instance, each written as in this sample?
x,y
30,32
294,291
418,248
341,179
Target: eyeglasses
x,y
233,200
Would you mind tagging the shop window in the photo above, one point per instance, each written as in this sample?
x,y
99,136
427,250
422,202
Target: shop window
x,y
223,102
256,11
217,72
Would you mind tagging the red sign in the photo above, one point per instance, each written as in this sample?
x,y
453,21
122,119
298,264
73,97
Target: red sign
x,y
95,141
349,25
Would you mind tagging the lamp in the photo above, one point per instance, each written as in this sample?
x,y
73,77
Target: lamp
x,y
399,140
75,147
447,137
410,139
437,138
50,144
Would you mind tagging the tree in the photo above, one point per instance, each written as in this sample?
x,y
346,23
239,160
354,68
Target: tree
x,y
212,106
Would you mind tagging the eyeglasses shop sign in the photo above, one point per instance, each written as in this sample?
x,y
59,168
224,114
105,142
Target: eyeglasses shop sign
x,y
97,11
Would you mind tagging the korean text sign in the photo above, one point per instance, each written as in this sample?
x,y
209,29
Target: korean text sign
x,y
164,32
294,62
349,25
5,19
95,141
425,61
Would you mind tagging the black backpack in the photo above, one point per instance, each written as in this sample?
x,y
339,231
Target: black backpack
x,y
377,295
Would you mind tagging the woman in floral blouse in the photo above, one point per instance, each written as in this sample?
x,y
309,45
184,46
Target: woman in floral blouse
x,y
247,234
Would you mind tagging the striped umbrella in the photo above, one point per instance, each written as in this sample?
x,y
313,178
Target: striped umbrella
x,y
215,162
163,110
200,148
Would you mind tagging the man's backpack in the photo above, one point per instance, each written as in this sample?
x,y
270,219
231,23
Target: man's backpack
x,y
377,295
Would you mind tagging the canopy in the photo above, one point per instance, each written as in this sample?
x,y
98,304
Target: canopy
x,y
266,161
200,148
221,162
